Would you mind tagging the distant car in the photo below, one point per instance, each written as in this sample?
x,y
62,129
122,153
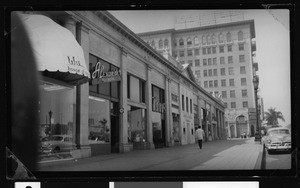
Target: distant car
x,y
277,139
58,143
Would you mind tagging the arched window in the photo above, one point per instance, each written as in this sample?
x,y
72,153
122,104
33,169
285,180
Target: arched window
x,y
153,44
208,39
221,38
228,37
189,41
240,36
160,44
166,43
181,43
203,39
213,39
196,40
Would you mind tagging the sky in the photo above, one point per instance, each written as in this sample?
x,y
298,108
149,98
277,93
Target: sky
x,y
272,47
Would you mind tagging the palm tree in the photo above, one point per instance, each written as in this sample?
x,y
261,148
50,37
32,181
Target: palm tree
x,y
272,116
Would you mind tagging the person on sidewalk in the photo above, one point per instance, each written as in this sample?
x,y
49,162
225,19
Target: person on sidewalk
x,y
199,136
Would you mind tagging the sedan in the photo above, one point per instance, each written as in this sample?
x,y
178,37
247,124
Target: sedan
x,y
277,139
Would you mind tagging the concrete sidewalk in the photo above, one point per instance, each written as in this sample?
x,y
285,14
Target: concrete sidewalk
x,y
240,157
216,155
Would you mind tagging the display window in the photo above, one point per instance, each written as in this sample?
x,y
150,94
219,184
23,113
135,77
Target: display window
x,y
56,112
136,124
99,120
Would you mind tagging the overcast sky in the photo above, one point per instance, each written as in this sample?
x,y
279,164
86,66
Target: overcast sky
x,y
272,42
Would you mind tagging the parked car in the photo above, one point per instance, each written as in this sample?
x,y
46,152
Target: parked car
x,y
277,139
58,143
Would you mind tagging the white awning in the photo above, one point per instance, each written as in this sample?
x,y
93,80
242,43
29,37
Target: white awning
x,y
57,53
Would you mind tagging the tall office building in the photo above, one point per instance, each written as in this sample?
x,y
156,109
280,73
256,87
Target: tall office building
x,y
222,58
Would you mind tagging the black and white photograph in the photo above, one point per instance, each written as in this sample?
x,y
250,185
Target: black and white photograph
x,y
193,90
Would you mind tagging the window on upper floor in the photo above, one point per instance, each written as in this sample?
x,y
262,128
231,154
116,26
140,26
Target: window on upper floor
x,y
210,72
181,53
190,62
209,61
244,93
240,36
215,72
204,62
181,42
221,38
224,94
166,43
153,44
190,52
229,48
243,81
214,49
189,41
213,39
228,37
160,44
196,41
242,58
209,50
232,93
233,105
223,82
210,83
205,84
221,49
231,82
203,40
205,73
245,104
225,104
196,51
230,59
215,83
241,46
197,63
222,60
223,72
242,70
214,61
208,39
197,73
203,51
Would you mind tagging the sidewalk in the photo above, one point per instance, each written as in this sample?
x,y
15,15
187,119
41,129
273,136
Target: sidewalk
x,y
235,158
215,155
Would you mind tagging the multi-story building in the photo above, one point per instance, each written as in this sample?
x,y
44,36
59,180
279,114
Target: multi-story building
x,y
104,90
221,57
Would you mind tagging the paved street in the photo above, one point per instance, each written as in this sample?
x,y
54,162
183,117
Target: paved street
x,y
279,160
220,154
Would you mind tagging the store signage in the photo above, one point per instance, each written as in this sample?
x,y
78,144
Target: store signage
x,y
158,107
252,116
99,76
76,67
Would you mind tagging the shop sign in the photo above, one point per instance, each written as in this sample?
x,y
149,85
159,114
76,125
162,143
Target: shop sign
x,y
99,76
75,66
158,107
252,116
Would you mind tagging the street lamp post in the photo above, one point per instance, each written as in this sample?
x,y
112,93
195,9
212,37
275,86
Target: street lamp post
x,y
255,83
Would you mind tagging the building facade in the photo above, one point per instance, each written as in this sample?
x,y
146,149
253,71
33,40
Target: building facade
x,y
123,94
223,62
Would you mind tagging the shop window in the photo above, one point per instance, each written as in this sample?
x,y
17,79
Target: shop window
x,y
136,124
99,120
56,112
136,89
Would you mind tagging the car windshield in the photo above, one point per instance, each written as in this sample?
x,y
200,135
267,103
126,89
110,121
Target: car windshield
x,y
56,138
279,131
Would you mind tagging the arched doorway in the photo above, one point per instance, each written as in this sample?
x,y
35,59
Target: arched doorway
x,y
241,125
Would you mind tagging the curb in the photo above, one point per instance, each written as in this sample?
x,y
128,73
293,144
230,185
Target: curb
x,y
260,162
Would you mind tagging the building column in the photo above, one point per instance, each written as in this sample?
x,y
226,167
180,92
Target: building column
x,y
180,114
81,92
168,112
149,109
124,146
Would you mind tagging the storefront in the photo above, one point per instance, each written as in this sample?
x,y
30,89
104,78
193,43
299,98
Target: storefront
x,y
158,117
103,121
62,68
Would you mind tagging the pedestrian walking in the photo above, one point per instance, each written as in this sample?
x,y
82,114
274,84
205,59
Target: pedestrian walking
x,y
199,136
